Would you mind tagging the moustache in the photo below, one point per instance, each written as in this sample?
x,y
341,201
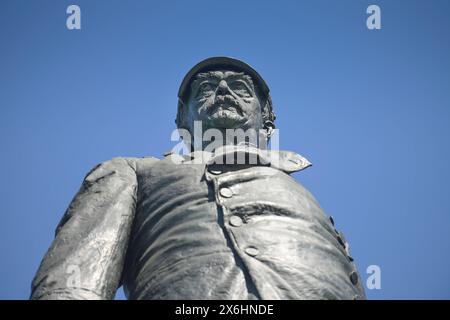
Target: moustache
x,y
228,101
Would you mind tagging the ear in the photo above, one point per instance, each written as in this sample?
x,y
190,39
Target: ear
x,y
268,116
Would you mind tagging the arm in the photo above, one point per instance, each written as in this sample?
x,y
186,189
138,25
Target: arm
x,y
86,258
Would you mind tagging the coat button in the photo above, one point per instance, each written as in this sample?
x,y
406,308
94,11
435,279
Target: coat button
x,y
353,277
236,221
331,220
341,242
251,251
226,193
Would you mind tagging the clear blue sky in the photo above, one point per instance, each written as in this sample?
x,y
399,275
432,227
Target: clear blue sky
x,y
370,109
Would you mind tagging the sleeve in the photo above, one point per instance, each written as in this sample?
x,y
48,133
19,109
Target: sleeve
x,y
86,258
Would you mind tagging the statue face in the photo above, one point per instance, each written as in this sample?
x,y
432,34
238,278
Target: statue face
x,y
223,100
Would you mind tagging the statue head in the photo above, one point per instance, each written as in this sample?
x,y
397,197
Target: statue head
x,y
224,93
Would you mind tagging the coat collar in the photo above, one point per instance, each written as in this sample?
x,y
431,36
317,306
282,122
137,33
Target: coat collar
x,y
286,161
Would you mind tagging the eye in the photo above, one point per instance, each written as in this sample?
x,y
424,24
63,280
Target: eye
x,y
241,89
205,89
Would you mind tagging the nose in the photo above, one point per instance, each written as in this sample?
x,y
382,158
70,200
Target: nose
x,y
222,89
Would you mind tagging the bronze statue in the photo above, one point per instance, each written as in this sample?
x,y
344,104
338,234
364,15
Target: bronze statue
x,y
179,228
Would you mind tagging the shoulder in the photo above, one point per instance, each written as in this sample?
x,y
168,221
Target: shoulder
x,y
120,166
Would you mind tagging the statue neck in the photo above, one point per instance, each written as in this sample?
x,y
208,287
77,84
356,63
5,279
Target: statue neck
x,y
216,138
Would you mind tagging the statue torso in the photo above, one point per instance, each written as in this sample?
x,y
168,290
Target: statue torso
x,y
231,232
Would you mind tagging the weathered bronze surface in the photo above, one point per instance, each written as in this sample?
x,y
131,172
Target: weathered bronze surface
x,y
177,228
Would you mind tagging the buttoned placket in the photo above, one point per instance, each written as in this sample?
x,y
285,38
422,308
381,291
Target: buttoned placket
x,y
222,192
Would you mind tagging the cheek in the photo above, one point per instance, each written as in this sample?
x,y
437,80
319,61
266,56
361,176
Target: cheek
x,y
197,109
191,112
253,108
202,106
